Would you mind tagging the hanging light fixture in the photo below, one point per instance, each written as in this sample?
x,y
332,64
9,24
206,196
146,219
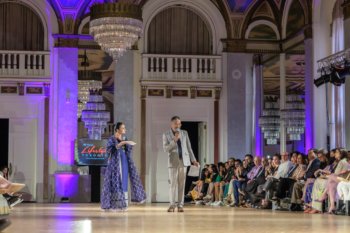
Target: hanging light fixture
x,y
269,122
293,116
116,26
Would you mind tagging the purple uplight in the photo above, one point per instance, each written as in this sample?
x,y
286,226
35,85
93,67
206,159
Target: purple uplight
x,y
258,142
66,184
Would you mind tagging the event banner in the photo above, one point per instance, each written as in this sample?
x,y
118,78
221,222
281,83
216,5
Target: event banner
x,y
91,152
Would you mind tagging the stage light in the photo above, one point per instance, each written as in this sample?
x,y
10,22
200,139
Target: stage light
x,y
334,73
325,78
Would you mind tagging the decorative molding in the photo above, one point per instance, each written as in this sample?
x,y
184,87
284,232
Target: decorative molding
x,y
264,10
115,9
65,40
143,92
234,45
193,92
168,92
20,88
217,93
156,92
69,23
47,89
34,90
236,25
180,93
204,93
9,90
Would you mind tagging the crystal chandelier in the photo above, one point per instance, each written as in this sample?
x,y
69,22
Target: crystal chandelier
x,y
95,115
293,116
269,122
116,26
83,92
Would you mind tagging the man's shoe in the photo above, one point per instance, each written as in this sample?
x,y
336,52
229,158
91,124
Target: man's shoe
x,y
180,209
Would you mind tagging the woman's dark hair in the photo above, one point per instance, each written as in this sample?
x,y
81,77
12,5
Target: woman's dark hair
x,y
343,153
303,159
203,176
214,168
239,161
118,125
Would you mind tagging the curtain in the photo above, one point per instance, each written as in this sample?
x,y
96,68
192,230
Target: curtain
x,y
178,30
20,28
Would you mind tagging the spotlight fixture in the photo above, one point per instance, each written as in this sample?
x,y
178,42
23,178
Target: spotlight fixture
x,y
334,69
325,78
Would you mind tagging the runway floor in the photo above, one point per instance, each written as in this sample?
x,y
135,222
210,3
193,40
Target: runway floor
x,y
86,218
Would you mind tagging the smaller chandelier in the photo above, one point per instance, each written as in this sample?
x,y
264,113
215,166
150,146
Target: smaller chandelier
x,y
269,122
293,116
84,87
116,26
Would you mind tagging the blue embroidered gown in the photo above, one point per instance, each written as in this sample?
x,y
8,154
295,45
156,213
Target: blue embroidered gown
x,y
120,167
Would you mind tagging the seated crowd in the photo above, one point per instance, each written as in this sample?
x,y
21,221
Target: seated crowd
x,y
316,183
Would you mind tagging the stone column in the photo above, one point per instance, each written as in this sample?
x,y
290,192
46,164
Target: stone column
x,y
283,133
258,140
239,103
127,102
309,89
64,122
65,97
346,13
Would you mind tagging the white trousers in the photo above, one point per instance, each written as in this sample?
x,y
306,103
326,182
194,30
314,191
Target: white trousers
x,y
177,180
343,190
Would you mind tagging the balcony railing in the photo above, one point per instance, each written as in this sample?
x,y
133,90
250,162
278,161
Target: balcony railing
x,y
181,67
24,63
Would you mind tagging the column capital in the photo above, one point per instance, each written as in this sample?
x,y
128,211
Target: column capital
x,y
257,59
69,40
47,89
346,9
234,45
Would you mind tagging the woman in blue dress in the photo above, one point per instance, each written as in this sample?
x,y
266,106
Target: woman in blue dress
x,y
120,167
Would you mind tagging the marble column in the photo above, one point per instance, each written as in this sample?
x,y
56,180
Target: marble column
x,y
127,102
309,89
65,97
64,123
283,133
124,92
258,93
239,103
346,13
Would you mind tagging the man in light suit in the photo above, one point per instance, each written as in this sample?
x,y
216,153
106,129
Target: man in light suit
x,y
177,144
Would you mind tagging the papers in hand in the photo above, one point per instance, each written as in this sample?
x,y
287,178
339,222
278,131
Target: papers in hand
x,y
194,171
131,143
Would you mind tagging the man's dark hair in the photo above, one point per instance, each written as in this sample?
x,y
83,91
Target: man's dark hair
x,y
175,118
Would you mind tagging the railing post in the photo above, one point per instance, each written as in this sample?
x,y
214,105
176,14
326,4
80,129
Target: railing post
x,y
194,75
22,71
218,69
47,65
169,74
145,65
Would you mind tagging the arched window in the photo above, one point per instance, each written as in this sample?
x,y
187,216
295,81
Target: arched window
x,y
20,28
179,30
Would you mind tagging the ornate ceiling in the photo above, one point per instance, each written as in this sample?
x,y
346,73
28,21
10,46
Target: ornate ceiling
x,y
273,23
